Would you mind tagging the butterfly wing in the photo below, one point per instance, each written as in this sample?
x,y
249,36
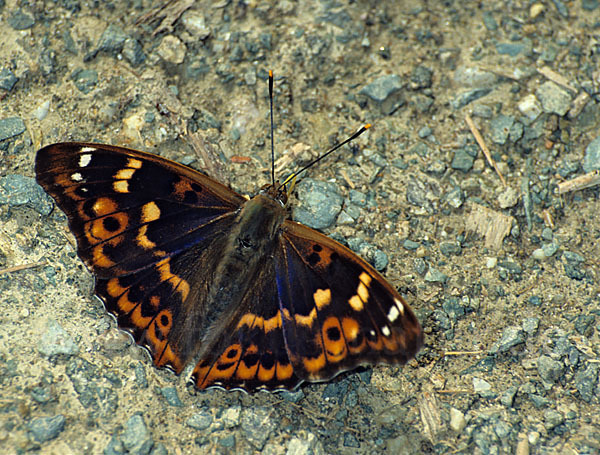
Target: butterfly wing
x,y
250,352
315,311
337,311
140,221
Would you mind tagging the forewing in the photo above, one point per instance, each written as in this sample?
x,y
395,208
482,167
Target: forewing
x,y
141,223
130,209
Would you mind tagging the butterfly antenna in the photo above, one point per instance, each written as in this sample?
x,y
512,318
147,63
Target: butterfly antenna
x,y
329,152
272,128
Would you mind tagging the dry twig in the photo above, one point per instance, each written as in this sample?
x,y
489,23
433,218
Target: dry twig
x,y
559,79
17,268
484,148
580,183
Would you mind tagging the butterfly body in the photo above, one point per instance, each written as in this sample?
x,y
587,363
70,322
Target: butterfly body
x,y
246,248
196,272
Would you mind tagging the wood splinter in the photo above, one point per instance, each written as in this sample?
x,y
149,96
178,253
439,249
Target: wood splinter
x,y
580,183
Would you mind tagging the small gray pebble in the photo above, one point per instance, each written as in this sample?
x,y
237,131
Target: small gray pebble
x,y
550,370
56,341
500,128
433,275
201,420
112,39
85,79
140,375
449,248
320,203
507,397
358,198
19,20
531,325
552,419
136,437
591,159
547,234
481,385
573,258
554,98
16,190
469,96
7,79
586,382
386,92
11,127
513,49
47,428
550,249
410,245
133,52
462,161
380,260
170,394
511,337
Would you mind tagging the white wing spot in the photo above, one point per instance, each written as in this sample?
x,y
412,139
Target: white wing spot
x,y
393,313
85,159
76,177
372,333
400,306
386,331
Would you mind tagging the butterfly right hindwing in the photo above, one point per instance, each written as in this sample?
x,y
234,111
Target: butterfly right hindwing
x,y
337,311
250,352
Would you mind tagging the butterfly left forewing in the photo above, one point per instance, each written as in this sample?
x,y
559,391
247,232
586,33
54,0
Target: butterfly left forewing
x,y
128,209
337,311
150,229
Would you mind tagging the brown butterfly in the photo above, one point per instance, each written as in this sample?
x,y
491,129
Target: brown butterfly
x,y
196,272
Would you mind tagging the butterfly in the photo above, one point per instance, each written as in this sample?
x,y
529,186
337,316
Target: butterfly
x,y
200,275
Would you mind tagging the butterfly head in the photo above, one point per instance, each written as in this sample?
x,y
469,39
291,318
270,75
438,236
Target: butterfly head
x,y
277,192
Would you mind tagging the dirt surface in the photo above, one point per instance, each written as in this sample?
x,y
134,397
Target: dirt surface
x,y
511,317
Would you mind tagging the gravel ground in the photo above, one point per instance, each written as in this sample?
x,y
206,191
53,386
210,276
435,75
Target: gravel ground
x,y
503,276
